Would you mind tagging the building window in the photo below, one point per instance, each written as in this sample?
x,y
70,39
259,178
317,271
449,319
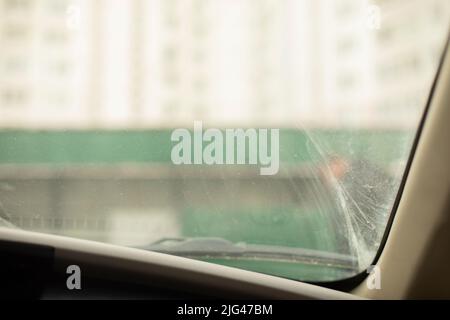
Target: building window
x,y
15,32
16,4
14,96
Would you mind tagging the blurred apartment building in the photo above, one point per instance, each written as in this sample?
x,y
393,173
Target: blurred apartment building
x,y
377,60
408,49
163,63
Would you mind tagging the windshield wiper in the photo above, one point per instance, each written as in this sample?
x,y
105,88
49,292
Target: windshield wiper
x,y
6,223
5,218
221,248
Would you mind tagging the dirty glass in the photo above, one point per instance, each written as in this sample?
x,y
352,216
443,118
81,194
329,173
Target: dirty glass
x,y
265,135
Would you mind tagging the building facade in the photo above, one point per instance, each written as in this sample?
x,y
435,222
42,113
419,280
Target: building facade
x,y
164,63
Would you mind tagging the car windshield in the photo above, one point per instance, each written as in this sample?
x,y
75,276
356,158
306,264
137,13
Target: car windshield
x,y
265,135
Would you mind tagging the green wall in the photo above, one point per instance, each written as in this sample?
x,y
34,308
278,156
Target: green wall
x,y
154,146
